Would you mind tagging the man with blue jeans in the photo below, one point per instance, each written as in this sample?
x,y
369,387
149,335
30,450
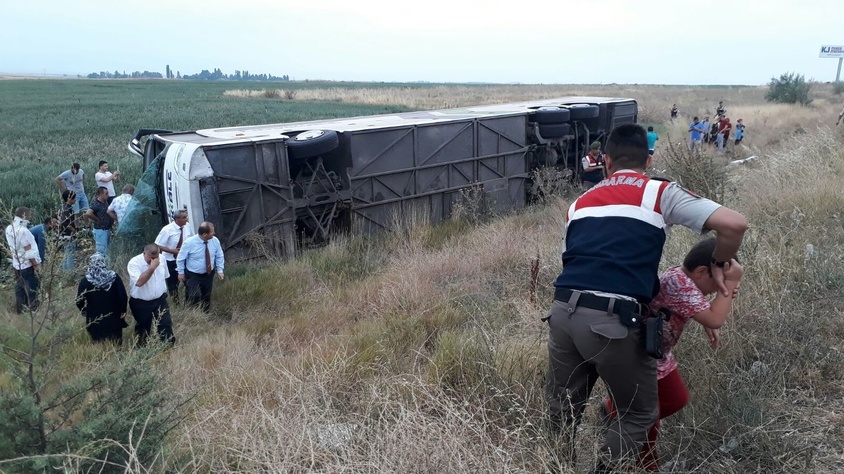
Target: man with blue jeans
x,y
73,180
67,228
98,212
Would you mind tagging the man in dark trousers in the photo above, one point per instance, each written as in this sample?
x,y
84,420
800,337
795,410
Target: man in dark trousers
x,y
170,239
200,257
614,238
148,295
25,260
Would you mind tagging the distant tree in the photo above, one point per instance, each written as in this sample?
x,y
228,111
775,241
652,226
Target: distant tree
x,y
789,88
214,75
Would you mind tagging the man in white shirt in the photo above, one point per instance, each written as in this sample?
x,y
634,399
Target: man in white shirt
x,y
106,179
25,260
170,240
148,295
117,208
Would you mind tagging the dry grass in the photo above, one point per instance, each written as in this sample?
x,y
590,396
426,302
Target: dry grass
x,y
420,351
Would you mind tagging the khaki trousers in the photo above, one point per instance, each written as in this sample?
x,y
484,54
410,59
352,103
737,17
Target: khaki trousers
x,y
585,344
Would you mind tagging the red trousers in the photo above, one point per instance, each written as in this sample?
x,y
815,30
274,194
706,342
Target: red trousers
x,y
673,396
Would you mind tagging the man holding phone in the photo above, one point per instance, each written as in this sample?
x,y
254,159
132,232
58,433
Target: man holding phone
x,y
148,295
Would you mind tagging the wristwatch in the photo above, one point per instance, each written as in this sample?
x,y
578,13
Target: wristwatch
x,y
717,263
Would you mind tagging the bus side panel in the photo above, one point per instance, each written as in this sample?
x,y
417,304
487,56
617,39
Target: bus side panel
x,y
428,168
250,199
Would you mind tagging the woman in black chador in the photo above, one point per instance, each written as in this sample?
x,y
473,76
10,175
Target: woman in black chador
x,y
101,297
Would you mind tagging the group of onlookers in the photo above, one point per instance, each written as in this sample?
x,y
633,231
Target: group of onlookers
x,y
191,259
716,132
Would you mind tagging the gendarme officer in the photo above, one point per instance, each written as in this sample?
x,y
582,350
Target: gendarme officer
x,y
614,237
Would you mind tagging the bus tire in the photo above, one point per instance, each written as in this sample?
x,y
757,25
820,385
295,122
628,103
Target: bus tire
x,y
584,111
549,115
312,143
554,130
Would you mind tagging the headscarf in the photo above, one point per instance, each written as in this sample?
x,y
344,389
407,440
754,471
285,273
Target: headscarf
x,y
98,273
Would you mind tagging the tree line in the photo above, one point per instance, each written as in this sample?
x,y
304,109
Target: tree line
x,y
215,75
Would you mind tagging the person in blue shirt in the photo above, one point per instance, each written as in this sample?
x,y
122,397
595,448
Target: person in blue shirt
x,y
201,256
739,131
40,233
696,131
652,138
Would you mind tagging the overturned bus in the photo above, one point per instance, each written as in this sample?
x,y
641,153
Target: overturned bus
x,y
277,188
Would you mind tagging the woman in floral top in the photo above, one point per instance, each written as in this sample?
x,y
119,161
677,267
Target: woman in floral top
x,y
683,292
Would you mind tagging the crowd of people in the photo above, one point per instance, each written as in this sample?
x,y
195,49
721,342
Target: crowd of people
x,y
191,260
610,305
714,132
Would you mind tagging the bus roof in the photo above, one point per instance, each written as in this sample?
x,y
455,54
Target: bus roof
x,y
269,131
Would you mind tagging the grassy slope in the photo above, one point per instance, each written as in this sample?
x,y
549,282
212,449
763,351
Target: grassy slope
x,y
425,341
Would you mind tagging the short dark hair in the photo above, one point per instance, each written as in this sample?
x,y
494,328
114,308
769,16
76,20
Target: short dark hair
x,y
102,189
695,119
627,145
128,189
101,163
22,212
650,129
67,195
700,255
48,220
76,166
204,228
152,249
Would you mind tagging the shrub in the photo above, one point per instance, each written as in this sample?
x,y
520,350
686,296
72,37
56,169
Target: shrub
x,y
65,400
290,94
696,170
789,88
838,88
272,94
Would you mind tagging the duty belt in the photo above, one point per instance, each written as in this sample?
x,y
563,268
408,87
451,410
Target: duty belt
x,y
630,313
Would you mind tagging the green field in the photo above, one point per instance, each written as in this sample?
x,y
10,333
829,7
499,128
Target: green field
x,y
46,125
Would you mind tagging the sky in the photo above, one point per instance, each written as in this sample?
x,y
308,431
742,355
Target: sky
x,y
533,41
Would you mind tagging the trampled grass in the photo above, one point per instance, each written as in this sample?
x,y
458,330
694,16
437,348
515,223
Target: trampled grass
x,y
421,351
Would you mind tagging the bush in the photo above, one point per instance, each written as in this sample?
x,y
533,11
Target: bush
x,y
696,170
838,88
790,88
61,400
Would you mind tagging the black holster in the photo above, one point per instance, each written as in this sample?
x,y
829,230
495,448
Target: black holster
x,y
653,333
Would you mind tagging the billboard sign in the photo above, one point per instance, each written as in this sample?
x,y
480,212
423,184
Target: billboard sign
x,y
832,52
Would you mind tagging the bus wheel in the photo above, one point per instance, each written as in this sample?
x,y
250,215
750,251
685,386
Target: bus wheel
x,y
549,115
312,143
554,130
584,111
